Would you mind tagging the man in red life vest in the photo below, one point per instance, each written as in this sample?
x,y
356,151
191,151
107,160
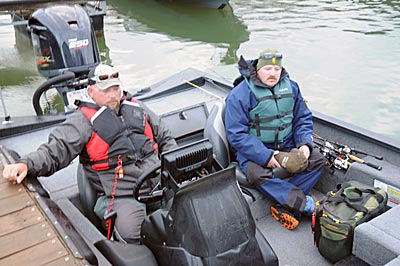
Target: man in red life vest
x,y
114,136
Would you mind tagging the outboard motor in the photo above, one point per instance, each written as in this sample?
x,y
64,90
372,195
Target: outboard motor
x,y
65,48
63,39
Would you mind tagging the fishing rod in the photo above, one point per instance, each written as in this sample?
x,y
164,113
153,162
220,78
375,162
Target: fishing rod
x,y
340,155
359,160
333,158
347,149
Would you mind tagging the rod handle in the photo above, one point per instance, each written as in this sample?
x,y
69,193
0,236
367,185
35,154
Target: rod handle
x,y
356,159
377,167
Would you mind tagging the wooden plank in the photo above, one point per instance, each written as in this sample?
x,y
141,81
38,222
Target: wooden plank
x,y
15,203
2,180
64,261
20,219
8,189
25,238
40,254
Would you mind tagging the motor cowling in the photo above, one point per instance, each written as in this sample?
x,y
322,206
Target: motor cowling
x,y
63,39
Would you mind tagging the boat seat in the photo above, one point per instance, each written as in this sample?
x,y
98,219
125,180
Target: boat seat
x,y
87,197
215,132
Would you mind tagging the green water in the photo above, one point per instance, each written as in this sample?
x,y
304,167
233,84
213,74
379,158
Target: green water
x,y
344,54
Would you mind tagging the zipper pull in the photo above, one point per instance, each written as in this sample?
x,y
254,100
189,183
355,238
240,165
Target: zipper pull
x,y
120,173
313,220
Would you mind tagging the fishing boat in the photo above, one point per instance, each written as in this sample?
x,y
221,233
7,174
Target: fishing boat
x,y
193,229
201,119
218,4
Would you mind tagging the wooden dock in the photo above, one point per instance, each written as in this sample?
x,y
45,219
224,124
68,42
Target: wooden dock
x,y
26,236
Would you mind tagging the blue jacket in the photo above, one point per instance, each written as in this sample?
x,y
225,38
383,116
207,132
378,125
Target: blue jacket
x,y
241,100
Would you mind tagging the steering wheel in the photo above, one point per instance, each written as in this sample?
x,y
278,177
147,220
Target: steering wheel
x,y
148,174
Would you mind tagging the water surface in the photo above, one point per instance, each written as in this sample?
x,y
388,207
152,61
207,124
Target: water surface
x,y
344,54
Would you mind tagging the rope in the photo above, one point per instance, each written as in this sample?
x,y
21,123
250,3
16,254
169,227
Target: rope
x,y
119,173
204,90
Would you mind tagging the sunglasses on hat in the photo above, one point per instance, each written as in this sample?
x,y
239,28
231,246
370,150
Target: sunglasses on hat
x,y
268,56
104,77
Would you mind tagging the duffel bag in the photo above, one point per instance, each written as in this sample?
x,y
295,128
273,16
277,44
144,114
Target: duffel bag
x,y
339,212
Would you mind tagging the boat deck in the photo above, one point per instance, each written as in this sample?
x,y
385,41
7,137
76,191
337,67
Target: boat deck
x,y
26,236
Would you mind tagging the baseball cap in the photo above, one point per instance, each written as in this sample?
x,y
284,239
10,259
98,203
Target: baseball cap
x,y
104,76
269,57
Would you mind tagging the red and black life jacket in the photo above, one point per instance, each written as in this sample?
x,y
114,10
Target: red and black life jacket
x,y
128,134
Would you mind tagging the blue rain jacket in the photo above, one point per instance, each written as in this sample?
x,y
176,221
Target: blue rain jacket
x,y
241,100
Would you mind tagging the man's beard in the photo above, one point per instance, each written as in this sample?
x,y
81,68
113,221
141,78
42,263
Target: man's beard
x,y
114,105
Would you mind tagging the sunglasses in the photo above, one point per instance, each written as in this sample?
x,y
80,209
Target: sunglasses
x,y
105,77
268,56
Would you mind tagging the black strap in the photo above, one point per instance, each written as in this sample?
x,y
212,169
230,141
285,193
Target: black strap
x,y
274,96
276,142
379,197
280,128
112,161
360,192
80,103
270,118
356,207
256,125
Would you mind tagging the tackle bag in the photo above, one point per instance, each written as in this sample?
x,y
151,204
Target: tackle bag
x,y
339,212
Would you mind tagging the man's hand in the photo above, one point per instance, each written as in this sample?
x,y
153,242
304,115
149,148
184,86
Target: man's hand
x,y
15,172
273,163
305,150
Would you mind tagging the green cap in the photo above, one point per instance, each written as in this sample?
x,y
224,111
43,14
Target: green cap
x,y
269,57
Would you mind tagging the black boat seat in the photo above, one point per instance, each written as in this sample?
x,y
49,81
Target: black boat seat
x,y
126,254
215,132
195,231
87,197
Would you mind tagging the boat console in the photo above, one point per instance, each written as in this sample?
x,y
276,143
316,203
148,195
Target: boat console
x,y
207,221
181,165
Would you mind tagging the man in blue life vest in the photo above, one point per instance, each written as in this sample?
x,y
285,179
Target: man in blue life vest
x,y
116,138
270,127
